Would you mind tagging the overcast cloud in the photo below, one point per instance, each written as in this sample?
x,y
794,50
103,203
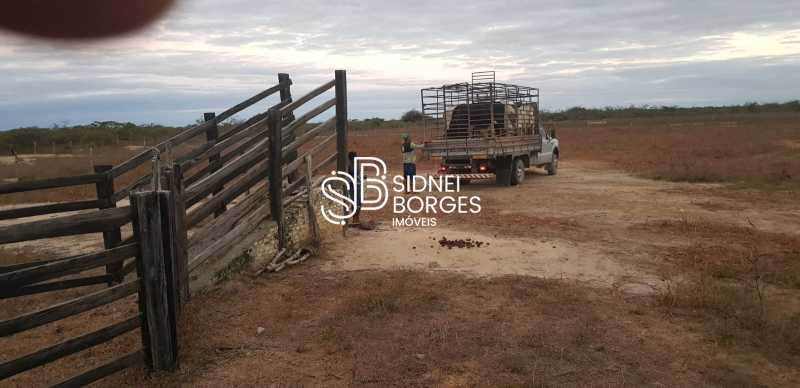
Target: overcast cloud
x,y
207,55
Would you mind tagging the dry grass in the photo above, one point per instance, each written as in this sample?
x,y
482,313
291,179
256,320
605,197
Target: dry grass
x,y
761,150
406,328
741,284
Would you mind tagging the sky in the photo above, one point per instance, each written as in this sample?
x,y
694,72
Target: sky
x,y
208,55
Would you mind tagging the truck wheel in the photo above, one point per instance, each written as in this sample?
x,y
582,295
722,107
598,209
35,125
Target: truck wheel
x,y
503,169
552,167
518,172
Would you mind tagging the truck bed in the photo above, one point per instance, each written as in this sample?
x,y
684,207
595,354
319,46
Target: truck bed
x,y
483,147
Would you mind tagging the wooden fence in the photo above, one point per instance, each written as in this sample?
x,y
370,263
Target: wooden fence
x,y
185,210
152,254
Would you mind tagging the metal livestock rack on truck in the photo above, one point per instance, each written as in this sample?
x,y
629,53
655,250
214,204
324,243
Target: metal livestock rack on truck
x,y
485,129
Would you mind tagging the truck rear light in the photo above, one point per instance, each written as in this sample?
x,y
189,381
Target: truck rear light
x,y
482,167
443,168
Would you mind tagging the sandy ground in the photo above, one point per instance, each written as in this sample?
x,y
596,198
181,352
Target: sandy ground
x,y
586,224
547,258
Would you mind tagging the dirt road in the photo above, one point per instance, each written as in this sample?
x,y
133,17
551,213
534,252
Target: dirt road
x,y
588,223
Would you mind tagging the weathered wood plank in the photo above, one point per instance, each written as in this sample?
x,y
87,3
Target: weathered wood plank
x,y
276,174
50,183
65,309
325,162
219,226
291,167
105,191
250,101
248,180
99,221
60,268
311,206
38,210
302,120
56,286
174,183
244,227
341,119
65,348
229,172
119,195
214,161
144,156
34,263
302,139
258,128
291,107
137,160
102,371
152,232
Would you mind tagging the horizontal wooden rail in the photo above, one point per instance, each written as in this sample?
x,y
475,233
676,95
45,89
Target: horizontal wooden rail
x,y
246,226
124,192
324,162
294,197
302,120
98,373
295,164
66,309
98,221
126,269
302,139
248,180
50,183
16,279
294,186
34,263
289,108
57,286
256,129
65,348
227,156
227,173
51,208
144,156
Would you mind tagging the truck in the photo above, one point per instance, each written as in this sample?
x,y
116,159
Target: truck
x,y
487,130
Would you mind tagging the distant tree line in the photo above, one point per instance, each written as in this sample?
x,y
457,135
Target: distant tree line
x,y
581,113
102,133
98,133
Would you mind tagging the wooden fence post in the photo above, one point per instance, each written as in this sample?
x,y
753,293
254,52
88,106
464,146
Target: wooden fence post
x,y
311,206
112,238
276,173
215,160
173,178
286,97
156,294
341,120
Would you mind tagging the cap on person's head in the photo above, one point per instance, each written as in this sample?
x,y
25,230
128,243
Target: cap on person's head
x,y
405,135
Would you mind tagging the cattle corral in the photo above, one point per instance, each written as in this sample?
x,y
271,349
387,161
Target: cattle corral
x,y
660,254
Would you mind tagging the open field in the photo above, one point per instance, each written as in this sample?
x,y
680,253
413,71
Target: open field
x,y
600,275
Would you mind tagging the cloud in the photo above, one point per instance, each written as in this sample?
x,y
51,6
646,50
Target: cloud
x,y
207,55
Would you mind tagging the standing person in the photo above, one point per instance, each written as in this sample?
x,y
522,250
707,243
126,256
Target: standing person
x,y
354,187
409,160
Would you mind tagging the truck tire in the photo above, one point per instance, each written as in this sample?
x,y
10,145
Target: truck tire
x,y
517,172
552,167
503,167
